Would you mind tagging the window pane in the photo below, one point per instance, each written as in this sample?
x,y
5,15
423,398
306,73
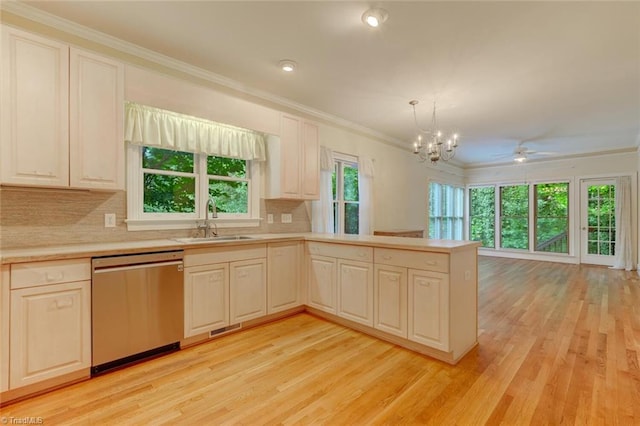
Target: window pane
x,y
482,215
351,221
336,220
231,167
350,183
169,194
334,184
514,221
230,196
164,159
601,220
552,217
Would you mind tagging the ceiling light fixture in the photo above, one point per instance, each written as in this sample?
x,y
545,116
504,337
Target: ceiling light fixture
x,y
374,17
435,148
287,65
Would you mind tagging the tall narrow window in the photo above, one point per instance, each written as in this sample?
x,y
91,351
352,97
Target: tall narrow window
x,y
552,217
346,196
446,212
601,216
514,217
482,216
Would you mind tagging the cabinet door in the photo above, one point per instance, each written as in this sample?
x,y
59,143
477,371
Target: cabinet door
x,y
283,283
355,291
96,106
50,332
35,115
321,273
390,295
310,172
290,162
429,308
248,294
206,298
4,327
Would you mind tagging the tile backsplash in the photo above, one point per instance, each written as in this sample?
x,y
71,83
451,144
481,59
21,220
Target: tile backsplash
x,y
34,217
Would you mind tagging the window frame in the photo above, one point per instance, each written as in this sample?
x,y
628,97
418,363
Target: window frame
x,y
338,203
138,220
458,193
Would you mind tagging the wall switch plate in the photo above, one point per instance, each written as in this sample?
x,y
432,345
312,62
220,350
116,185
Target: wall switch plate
x,y
270,218
109,220
285,217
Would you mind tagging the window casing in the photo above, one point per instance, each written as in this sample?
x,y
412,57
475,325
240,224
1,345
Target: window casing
x,y
169,189
446,212
346,197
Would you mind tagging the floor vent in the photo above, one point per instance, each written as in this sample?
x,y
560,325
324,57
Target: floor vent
x,y
224,329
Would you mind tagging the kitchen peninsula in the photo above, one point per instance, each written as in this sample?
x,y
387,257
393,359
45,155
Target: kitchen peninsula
x,y
417,293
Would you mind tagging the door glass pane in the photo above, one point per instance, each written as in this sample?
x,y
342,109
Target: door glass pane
x,y
601,231
482,215
514,220
552,217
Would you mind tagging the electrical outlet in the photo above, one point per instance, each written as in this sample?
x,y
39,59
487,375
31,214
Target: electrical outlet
x,y
285,218
269,218
109,220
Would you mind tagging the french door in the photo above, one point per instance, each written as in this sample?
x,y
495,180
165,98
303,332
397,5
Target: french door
x,y
597,221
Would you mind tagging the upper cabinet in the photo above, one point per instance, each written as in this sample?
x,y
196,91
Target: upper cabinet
x,y
96,110
293,170
62,115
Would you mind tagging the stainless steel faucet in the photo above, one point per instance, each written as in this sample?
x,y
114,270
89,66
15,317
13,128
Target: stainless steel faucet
x,y
205,225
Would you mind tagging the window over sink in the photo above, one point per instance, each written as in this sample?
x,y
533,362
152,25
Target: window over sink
x,y
169,189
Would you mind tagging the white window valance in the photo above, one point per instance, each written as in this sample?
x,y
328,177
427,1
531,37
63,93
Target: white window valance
x,y
149,126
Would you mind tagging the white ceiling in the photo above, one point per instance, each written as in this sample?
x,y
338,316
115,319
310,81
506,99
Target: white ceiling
x,y
561,76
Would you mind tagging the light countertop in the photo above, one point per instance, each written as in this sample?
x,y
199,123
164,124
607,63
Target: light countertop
x,y
54,252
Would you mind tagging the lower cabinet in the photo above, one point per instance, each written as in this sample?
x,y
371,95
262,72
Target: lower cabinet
x,y
429,308
4,327
223,285
284,277
50,331
206,295
321,273
390,295
248,290
355,291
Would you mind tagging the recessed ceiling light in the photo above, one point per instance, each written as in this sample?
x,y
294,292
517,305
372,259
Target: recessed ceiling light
x,y
374,17
287,65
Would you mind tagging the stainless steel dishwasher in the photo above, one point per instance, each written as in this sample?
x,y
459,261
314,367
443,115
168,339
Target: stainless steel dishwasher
x,y
136,308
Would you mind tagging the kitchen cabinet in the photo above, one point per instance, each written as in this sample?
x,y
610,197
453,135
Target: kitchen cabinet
x,y
355,291
248,293
429,308
390,295
284,276
206,292
4,327
293,170
63,112
96,106
223,286
50,320
321,272
340,280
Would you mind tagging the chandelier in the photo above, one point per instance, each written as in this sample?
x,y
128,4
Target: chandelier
x,y
435,147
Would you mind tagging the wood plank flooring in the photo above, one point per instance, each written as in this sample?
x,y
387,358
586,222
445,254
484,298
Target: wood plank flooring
x,y
558,345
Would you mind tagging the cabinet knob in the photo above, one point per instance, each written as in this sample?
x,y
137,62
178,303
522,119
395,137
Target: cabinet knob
x,y
64,303
54,277
387,257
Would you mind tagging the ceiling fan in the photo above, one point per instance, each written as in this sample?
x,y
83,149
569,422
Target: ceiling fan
x,y
521,153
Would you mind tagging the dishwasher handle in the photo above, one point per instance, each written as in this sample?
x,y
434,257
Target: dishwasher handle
x,y
140,266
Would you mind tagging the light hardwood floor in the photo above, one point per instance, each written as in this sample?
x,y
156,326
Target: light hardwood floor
x,y
558,345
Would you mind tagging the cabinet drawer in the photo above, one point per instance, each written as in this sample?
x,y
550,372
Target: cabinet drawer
x,y
341,251
438,262
54,272
208,256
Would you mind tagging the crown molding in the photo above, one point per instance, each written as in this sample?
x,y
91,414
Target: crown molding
x,y
33,14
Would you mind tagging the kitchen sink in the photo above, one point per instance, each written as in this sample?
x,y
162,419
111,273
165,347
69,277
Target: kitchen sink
x,y
214,239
